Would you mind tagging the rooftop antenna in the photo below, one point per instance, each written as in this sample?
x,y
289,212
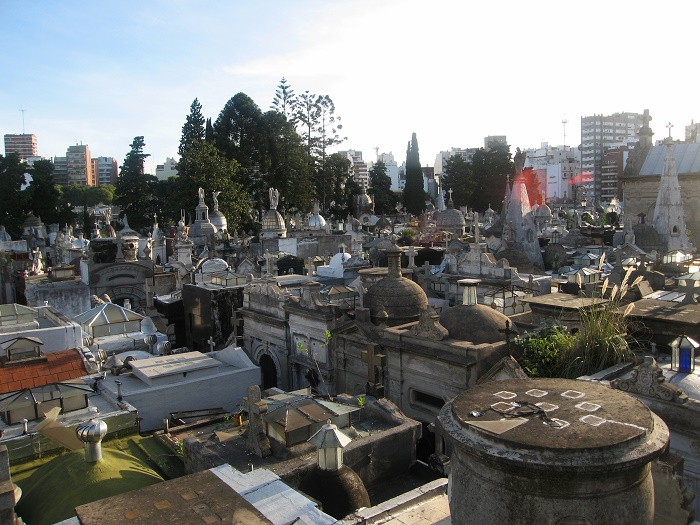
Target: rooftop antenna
x,y
23,110
564,122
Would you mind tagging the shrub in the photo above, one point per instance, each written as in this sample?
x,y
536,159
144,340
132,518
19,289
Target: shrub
x,y
601,341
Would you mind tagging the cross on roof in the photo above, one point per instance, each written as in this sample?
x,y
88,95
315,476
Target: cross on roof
x,y
375,369
211,343
669,126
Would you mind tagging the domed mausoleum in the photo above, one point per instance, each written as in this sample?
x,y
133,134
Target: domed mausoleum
x,y
395,300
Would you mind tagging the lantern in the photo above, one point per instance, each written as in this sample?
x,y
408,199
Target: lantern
x,y
330,442
683,354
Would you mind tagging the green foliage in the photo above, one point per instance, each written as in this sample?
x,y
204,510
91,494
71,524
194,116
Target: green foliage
x,y
43,196
193,128
407,232
413,194
544,351
380,187
601,341
204,167
490,168
135,190
12,211
459,178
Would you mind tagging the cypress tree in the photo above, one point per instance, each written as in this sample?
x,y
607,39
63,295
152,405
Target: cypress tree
x,y
413,194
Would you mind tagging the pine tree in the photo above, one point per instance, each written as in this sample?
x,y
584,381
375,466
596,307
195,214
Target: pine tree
x,y
135,190
193,129
413,194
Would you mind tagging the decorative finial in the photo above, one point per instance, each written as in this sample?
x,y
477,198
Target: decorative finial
x,y
669,126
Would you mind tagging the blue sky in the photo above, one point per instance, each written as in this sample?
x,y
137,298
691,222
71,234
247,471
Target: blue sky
x,y
102,72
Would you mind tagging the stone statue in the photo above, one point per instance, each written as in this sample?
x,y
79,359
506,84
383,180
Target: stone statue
x,y
274,198
201,196
519,161
37,261
214,195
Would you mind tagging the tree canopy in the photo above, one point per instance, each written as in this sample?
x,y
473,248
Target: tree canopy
x,y
135,191
380,186
12,212
458,177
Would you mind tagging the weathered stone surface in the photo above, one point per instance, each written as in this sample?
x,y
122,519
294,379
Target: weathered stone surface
x,y
587,442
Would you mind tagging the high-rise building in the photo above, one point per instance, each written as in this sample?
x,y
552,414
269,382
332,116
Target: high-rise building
x,y
24,145
79,168
614,161
359,168
60,170
392,171
600,133
105,170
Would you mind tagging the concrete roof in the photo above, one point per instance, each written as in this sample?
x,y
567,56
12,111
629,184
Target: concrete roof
x,y
668,311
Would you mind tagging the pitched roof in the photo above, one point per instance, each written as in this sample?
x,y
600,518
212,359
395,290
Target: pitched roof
x,y
107,313
59,366
687,157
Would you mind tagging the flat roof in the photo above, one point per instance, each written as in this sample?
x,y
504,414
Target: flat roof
x,y
564,300
168,365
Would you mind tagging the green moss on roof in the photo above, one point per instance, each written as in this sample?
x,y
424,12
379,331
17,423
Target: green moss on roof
x,y
53,491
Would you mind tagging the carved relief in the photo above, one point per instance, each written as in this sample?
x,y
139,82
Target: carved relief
x,y
647,379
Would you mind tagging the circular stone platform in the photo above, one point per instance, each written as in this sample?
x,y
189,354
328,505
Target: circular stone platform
x,y
545,450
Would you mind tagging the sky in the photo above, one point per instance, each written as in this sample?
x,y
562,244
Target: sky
x,y
102,72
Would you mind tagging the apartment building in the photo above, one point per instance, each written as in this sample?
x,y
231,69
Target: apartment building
x,y
24,145
105,170
558,169
600,133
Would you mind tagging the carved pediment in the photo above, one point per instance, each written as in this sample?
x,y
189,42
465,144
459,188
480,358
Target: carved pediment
x,y
648,380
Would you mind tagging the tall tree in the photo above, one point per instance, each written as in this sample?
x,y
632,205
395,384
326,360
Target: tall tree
x,y
289,169
240,134
490,168
380,186
285,100
43,195
193,129
209,131
12,211
135,190
459,178
413,193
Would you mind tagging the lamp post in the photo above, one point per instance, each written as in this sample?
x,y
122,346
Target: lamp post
x,y
683,354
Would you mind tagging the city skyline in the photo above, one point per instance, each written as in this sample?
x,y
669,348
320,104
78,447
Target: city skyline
x,y
101,74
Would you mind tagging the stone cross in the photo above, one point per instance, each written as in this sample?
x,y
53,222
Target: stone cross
x,y
450,192
375,369
257,441
669,126
310,267
211,343
411,256
507,332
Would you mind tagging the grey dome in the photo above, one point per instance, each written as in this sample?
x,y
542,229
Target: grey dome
x,y
475,323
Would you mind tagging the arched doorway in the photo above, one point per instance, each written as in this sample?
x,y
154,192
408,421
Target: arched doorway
x,y
268,372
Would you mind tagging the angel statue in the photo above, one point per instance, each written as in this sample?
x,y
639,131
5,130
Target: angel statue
x,y
201,196
274,198
214,195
